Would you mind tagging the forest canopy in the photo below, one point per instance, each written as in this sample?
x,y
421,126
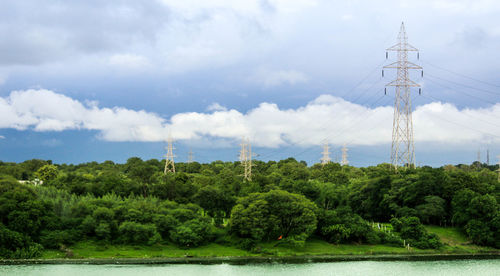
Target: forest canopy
x,y
45,205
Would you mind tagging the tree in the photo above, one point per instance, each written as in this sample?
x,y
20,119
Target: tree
x,y
138,233
192,233
341,225
47,173
267,216
215,201
460,206
433,210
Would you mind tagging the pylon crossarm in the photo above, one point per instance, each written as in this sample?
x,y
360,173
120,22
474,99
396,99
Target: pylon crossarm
x,y
402,47
399,82
409,65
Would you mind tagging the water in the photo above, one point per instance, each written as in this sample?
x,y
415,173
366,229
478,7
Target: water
x,y
427,268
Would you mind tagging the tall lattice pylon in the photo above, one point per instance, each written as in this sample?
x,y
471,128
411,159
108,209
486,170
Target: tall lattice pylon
x,y
246,158
325,159
344,161
403,149
169,158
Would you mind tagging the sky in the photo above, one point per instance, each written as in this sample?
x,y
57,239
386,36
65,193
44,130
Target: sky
x,y
92,80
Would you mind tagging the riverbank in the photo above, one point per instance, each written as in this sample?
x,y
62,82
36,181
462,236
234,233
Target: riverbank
x,y
257,260
456,246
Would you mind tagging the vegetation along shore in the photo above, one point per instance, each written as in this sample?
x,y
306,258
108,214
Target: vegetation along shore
x,y
208,213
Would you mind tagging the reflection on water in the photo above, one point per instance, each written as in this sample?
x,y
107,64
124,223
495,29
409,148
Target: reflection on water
x,y
455,268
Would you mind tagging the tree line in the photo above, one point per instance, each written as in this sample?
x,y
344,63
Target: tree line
x,y
286,201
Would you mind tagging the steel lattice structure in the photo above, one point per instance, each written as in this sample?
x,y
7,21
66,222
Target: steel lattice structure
x,y
325,159
169,160
190,157
246,158
344,161
403,149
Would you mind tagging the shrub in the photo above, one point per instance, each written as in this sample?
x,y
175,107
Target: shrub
x,y
414,232
192,233
342,225
55,238
34,250
136,233
396,224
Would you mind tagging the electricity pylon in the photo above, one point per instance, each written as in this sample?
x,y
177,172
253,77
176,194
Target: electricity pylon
x,y
488,157
169,160
326,154
246,158
498,168
190,156
344,161
403,149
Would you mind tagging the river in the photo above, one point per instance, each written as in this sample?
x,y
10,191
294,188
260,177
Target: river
x,y
427,268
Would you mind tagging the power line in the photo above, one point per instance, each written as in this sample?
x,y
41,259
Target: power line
x,y
465,85
337,133
461,75
283,149
466,126
475,118
403,148
455,90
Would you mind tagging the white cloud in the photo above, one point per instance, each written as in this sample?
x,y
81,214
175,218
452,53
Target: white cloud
x,y
216,107
2,137
45,110
267,125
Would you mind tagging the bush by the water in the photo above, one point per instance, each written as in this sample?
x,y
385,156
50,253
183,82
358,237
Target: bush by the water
x,y
412,230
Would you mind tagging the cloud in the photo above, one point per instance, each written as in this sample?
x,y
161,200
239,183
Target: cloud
x,y
216,107
65,31
45,110
267,125
129,61
2,137
270,78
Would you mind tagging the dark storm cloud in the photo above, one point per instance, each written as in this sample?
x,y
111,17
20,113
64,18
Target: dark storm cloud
x,y
41,31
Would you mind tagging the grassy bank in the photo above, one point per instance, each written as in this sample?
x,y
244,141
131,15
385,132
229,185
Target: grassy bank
x,y
455,243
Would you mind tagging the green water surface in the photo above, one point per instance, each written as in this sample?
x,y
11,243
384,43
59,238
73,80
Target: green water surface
x,y
455,268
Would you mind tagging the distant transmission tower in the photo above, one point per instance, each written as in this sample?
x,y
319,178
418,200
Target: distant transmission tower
x,y
246,158
488,157
190,156
403,149
479,156
326,154
498,168
344,156
169,160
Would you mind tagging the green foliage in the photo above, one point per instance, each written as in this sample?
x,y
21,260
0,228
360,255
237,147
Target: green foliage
x,y
137,233
47,173
433,210
267,216
136,204
412,230
343,226
22,218
192,233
